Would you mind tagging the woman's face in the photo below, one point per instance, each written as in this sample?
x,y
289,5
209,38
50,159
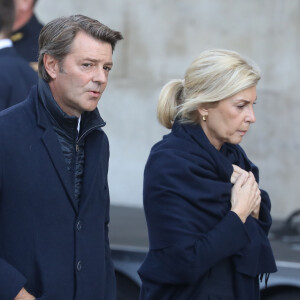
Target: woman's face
x,y
229,120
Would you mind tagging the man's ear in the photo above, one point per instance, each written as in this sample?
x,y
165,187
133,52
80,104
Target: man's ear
x,y
51,65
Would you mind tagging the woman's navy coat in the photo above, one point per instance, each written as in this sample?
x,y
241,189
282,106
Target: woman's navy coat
x,y
46,244
199,249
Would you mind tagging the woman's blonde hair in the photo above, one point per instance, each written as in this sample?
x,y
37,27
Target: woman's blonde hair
x,y
215,75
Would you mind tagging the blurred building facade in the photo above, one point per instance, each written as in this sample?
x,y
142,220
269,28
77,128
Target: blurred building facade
x,y
161,40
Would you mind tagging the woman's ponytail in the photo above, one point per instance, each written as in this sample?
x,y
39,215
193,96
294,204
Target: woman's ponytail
x,y
169,99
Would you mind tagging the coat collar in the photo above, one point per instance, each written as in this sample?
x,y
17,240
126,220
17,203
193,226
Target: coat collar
x,y
68,124
50,140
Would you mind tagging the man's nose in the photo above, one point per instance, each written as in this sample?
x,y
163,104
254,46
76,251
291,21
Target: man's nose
x,y
100,76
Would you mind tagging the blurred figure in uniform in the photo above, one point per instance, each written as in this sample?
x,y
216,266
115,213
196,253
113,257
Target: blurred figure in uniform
x,y
26,30
16,76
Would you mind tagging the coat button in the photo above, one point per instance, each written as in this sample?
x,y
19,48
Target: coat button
x,y
79,225
77,148
79,266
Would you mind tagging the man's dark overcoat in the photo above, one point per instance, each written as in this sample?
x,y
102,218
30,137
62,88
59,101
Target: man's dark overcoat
x,y
46,244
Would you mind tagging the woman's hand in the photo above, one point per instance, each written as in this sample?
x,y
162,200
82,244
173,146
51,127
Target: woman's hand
x,y
245,196
237,171
255,212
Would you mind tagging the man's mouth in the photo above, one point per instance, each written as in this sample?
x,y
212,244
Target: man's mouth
x,y
95,93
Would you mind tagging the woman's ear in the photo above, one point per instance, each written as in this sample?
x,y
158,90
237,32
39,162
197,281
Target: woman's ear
x,y
203,111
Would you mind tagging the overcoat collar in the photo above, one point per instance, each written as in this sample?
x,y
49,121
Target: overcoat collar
x,y
50,140
58,118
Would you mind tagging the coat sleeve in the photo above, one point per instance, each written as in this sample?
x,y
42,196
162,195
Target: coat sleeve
x,y
187,262
190,225
11,280
110,292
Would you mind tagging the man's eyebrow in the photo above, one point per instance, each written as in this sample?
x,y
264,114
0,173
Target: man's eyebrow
x,y
109,63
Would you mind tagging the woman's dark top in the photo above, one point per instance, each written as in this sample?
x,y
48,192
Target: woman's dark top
x,y
199,249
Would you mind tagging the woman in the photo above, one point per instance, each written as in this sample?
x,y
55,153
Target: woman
x,y
207,219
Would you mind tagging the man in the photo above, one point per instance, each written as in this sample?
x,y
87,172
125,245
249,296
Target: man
x,y
26,31
16,77
54,199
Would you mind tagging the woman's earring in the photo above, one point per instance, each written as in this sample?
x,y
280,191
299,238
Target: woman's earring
x,y
204,118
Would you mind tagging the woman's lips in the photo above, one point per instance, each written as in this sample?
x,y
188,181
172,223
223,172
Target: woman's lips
x,y
242,132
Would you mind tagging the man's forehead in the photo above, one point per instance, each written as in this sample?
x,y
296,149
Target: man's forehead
x,y
84,39
87,47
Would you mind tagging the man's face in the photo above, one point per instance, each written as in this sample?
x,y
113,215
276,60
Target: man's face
x,y
80,79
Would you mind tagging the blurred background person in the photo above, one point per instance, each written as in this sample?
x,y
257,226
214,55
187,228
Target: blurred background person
x,y
207,219
26,30
16,76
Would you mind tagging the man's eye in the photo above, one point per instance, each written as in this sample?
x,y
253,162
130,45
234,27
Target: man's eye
x,y
106,68
87,65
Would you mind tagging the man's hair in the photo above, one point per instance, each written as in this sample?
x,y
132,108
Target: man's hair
x,y
57,36
7,16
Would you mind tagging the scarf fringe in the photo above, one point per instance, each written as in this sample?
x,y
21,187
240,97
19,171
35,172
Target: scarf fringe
x,y
267,275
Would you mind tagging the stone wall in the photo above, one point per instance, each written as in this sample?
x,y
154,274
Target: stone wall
x,y
161,40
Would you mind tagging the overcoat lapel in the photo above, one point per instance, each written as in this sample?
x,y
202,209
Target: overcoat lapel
x,y
92,173
53,147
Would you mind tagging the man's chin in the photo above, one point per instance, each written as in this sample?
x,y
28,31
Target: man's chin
x,y
90,107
